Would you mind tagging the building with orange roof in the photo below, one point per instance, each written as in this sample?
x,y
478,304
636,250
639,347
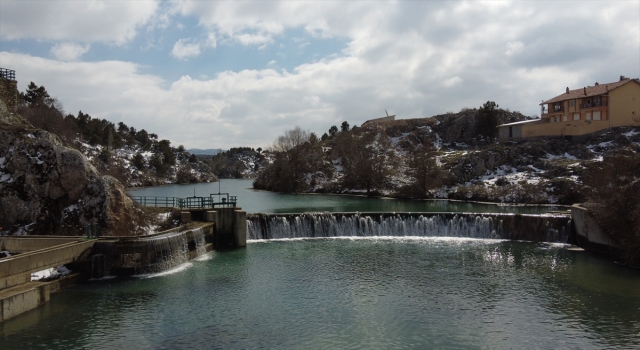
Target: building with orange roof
x,y
582,112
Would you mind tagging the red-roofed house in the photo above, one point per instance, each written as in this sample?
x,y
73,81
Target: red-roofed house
x,y
582,112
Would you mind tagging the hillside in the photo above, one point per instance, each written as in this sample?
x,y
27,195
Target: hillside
x,y
48,188
237,163
446,156
134,157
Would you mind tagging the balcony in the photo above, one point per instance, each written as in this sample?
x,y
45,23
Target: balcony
x,y
593,105
7,74
551,110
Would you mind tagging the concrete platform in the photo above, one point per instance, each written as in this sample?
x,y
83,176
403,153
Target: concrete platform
x,y
28,296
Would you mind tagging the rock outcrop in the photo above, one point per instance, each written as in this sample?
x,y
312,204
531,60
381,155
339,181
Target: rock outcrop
x,y
47,188
460,127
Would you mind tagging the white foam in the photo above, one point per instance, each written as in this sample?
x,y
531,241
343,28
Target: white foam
x,y
174,270
386,238
205,256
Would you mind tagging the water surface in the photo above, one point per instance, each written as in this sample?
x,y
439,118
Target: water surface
x,y
254,201
409,293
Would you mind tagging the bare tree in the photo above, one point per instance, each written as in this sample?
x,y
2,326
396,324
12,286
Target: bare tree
x,y
367,159
291,139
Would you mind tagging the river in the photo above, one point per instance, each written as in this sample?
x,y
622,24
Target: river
x,y
348,292
254,201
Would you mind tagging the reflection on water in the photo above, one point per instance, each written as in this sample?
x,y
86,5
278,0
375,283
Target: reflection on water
x,y
254,201
363,293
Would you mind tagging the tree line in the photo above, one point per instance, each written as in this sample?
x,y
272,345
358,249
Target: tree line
x,y
47,113
364,157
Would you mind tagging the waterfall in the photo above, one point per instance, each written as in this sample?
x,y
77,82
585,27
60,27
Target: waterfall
x,y
309,225
198,237
365,225
99,266
101,261
167,252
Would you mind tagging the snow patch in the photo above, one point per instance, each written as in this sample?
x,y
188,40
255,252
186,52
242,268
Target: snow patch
x,y
51,273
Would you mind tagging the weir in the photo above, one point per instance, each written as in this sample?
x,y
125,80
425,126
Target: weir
x,y
93,258
149,254
534,228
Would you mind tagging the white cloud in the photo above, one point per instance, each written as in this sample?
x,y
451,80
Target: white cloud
x,y
211,41
69,51
87,21
183,49
452,81
398,55
253,39
514,47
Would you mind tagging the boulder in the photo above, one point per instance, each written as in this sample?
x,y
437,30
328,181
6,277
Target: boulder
x,y
47,188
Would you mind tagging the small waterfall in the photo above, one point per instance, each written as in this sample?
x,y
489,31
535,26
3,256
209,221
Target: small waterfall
x,y
167,252
99,266
508,226
101,261
365,225
126,256
198,237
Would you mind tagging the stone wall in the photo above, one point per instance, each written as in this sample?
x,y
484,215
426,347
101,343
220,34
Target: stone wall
x,y
9,94
589,236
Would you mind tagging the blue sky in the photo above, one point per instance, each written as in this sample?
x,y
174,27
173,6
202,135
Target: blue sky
x,y
220,74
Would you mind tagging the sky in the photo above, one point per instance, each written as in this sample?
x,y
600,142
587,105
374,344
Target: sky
x,y
222,74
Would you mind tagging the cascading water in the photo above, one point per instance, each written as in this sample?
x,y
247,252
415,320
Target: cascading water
x,y
311,225
98,266
168,252
198,237
101,261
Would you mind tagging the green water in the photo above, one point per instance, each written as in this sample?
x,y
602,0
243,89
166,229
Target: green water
x,y
411,293
254,201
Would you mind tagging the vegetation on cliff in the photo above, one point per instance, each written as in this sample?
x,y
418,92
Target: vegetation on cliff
x,y
134,157
454,155
48,188
614,199
236,163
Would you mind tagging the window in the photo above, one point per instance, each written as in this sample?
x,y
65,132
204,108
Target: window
x,y
588,116
596,115
587,103
596,101
572,103
576,116
564,118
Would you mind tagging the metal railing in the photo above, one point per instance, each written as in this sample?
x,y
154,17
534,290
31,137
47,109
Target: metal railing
x,y
160,202
7,74
593,105
214,200
223,199
93,230
194,202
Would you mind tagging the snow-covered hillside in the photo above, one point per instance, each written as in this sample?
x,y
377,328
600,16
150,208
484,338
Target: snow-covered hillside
x,y
133,172
440,158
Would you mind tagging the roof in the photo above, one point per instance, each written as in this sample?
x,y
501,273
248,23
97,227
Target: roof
x,y
596,90
521,122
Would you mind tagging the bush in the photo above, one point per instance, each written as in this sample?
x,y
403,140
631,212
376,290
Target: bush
x,y
138,161
615,201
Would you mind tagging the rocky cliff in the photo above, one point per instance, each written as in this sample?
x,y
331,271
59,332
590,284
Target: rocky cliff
x,y
47,188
